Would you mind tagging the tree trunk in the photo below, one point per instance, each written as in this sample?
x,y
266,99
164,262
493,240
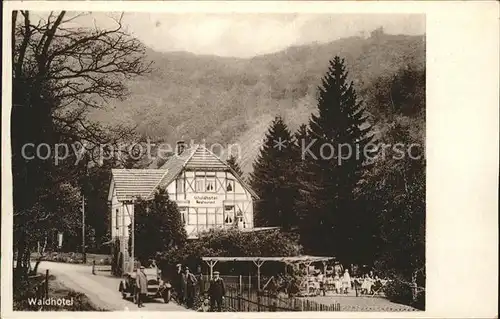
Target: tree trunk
x,y
19,261
26,257
40,256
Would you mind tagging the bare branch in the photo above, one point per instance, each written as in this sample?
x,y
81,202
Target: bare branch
x,y
13,35
24,44
50,35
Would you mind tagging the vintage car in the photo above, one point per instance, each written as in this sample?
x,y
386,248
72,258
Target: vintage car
x,y
157,288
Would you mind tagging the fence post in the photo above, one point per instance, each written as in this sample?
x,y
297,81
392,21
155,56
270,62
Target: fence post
x,y
239,302
273,306
47,283
258,301
240,285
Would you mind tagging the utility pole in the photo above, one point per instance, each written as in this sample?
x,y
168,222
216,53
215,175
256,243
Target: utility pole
x,y
133,240
132,236
83,230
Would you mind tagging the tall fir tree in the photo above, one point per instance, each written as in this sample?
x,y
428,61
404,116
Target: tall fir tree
x,y
233,163
273,178
335,162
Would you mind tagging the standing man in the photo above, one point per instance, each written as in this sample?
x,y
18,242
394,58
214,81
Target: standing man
x,y
142,286
200,288
190,288
183,285
216,292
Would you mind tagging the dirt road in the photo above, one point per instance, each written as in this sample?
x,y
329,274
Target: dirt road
x,y
101,289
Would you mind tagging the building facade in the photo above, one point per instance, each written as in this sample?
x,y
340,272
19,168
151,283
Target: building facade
x,y
208,192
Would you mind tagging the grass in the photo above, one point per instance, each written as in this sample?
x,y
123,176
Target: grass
x,y
57,291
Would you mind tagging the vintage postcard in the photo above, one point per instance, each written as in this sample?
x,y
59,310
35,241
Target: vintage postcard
x,y
262,157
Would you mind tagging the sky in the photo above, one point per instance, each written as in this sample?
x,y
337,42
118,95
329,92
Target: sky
x,y
250,34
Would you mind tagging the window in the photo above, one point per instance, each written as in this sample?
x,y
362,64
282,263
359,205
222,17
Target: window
x,y
211,221
229,214
183,211
199,185
210,185
202,216
192,220
116,219
230,186
180,186
219,218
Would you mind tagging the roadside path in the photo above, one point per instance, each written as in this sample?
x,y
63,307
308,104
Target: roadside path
x,y
101,289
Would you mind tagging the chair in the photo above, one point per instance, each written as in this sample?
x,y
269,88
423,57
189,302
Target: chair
x,y
378,287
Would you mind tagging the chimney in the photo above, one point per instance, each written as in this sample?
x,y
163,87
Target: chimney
x,y
181,146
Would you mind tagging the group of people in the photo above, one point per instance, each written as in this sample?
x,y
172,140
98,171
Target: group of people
x,y
343,283
189,287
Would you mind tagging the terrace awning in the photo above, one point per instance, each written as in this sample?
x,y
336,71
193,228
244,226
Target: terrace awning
x,y
258,261
294,259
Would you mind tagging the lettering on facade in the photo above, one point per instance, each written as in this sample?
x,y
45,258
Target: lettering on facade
x,y
205,199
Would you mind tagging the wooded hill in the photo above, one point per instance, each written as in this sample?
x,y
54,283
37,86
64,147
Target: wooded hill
x,y
233,100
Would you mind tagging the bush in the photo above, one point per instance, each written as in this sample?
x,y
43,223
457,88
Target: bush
x,y
232,243
401,292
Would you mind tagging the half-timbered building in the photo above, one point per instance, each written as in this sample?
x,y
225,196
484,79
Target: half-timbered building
x,y
207,191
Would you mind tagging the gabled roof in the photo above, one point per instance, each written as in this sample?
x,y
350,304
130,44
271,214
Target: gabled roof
x,y
175,164
203,158
198,157
131,184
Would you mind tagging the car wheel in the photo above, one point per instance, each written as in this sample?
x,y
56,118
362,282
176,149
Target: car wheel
x,y
166,296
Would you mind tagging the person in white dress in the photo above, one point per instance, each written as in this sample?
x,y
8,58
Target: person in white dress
x,y
346,281
366,286
338,284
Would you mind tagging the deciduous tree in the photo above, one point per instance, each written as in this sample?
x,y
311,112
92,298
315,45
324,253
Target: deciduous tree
x,y
158,227
60,73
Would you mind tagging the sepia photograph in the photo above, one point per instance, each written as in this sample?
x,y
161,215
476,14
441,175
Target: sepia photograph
x,y
218,162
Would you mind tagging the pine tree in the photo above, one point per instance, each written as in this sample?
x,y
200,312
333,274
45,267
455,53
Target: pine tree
x,y
231,161
335,162
273,178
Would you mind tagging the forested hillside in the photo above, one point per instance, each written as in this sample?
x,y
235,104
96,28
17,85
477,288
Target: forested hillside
x,y
232,100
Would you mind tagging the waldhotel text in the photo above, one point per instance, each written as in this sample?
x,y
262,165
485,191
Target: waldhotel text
x,y
61,302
